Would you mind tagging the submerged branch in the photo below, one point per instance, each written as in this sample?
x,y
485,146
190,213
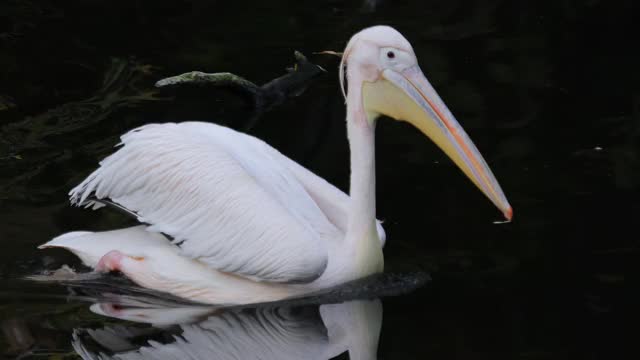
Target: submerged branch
x,y
263,97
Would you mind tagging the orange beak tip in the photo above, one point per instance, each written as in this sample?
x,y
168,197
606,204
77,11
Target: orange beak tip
x,y
508,214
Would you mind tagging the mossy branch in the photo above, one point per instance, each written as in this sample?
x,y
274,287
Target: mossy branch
x,y
265,97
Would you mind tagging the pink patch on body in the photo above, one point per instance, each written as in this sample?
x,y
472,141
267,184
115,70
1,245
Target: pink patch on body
x,y
111,261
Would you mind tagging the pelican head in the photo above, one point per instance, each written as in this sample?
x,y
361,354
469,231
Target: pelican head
x,y
384,79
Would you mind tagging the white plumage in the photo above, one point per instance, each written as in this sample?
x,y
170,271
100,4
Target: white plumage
x,y
246,223
227,198
232,205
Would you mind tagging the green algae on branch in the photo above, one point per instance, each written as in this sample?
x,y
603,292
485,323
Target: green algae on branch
x,y
264,97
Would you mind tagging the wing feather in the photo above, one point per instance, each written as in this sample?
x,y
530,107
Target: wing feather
x,y
224,196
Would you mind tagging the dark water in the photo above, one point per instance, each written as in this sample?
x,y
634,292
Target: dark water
x,y
548,91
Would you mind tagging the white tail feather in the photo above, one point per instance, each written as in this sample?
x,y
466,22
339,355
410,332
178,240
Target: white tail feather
x,y
91,246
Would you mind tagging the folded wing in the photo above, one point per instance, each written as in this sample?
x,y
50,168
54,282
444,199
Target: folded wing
x,y
226,198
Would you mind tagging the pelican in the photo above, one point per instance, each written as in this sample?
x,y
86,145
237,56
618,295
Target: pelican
x,y
227,219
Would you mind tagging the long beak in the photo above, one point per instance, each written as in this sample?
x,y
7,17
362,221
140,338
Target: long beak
x,y
419,104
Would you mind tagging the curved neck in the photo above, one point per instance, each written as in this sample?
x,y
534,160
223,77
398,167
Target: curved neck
x,y
362,236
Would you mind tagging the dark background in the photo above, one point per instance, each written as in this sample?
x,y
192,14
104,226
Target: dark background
x,y
547,90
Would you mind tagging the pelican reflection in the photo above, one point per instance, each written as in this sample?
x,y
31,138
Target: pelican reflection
x,y
267,332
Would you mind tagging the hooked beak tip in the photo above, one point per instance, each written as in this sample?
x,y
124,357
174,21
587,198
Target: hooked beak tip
x,y
508,214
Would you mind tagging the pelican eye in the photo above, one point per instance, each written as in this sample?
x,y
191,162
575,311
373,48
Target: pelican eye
x,y
391,54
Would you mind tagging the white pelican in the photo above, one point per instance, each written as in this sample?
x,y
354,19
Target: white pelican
x,y
246,224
